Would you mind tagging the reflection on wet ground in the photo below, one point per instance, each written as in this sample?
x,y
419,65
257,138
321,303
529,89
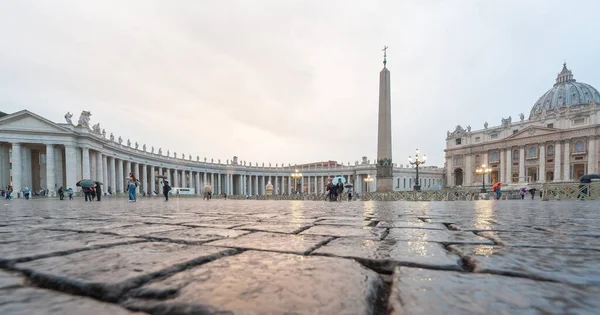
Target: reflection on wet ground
x,y
189,256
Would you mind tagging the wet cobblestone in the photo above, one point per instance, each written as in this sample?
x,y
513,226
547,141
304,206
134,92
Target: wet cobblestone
x,y
190,256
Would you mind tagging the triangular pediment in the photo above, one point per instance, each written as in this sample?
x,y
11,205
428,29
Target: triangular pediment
x,y
532,131
26,121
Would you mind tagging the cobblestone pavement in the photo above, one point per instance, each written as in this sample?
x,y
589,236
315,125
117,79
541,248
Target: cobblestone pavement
x,y
190,256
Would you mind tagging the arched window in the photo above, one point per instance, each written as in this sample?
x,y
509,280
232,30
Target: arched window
x,y
495,157
579,146
477,159
532,152
515,154
550,150
457,160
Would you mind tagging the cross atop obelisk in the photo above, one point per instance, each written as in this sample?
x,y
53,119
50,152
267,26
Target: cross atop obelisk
x,y
385,165
384,55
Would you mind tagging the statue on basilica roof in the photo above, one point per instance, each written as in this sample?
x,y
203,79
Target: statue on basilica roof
x,y
485,125
84,119
522,116
96,129
68,117
120,140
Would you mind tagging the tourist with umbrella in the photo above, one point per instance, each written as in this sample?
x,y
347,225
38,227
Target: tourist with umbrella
x,y
498,190
522,192
166,189
98,190
85,185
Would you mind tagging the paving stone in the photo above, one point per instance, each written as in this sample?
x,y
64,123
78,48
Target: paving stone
x,y
219,224
388,254
288,243
358,222
346,231
560,264
446,237
141,229
423,291
107,273
541,239
196,235
9,280
19,235
27,301
33,248
276,228
411,225
264,283
87,226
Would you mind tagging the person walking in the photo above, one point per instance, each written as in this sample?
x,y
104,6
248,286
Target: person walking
x,y
532,192
339,190
499,192
98,191
166,189
26,193
349,195
331,190
70,192
9,190
61,193
132,185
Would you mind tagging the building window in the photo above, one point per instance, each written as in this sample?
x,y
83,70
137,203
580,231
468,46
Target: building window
x,y
457,161
515,154
458,141
495,157
494,136
477,159
515,131
477,139
550,125
579,146
550,150
532,152
405,183
578,121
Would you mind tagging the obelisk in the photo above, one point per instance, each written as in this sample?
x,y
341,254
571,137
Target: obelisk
x,y
384,131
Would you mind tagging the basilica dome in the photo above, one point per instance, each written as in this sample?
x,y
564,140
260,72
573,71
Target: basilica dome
x,y
566,92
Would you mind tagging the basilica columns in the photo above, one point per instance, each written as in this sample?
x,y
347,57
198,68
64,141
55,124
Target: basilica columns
x,y
557,161
522,174
50,174
113,176
99,176
542,161
70,163
567,162
592,155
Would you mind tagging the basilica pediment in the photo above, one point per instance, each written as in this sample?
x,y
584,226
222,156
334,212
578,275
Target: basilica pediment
x,y
26,121
532,131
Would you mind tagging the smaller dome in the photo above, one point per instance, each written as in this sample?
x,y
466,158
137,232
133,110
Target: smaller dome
x,y
566,92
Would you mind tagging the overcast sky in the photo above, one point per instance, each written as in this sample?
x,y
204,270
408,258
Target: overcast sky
x,y
290,81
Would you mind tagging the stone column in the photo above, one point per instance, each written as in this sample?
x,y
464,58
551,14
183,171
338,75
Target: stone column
x,y
522,174
449,171
105,173
542,162
256,191
557,161
567,162
127,170
85,163
289,187
152,180
219,184
592,156
302,184
120,177
17,168
176,178
508,162
50,175
113,175
502,156
99,167
487,165
71,170
145,176
468,178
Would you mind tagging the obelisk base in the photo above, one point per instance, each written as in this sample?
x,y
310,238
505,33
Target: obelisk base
x,y
385,178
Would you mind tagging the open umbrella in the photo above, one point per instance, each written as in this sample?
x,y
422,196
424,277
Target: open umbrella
x,y
99,183
349,186
161,176
586,179
336,179
496,185
86,183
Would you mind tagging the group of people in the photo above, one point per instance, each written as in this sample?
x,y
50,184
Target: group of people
x,y
336,191
90,193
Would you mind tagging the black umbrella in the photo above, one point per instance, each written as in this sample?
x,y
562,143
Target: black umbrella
x,y
349,186
161,176
586,179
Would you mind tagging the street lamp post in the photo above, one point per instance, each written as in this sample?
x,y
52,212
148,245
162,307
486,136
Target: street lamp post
x,y
483,170
368,181
296,175
418,161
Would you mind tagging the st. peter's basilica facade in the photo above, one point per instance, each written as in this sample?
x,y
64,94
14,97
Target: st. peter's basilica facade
x,y
558,142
